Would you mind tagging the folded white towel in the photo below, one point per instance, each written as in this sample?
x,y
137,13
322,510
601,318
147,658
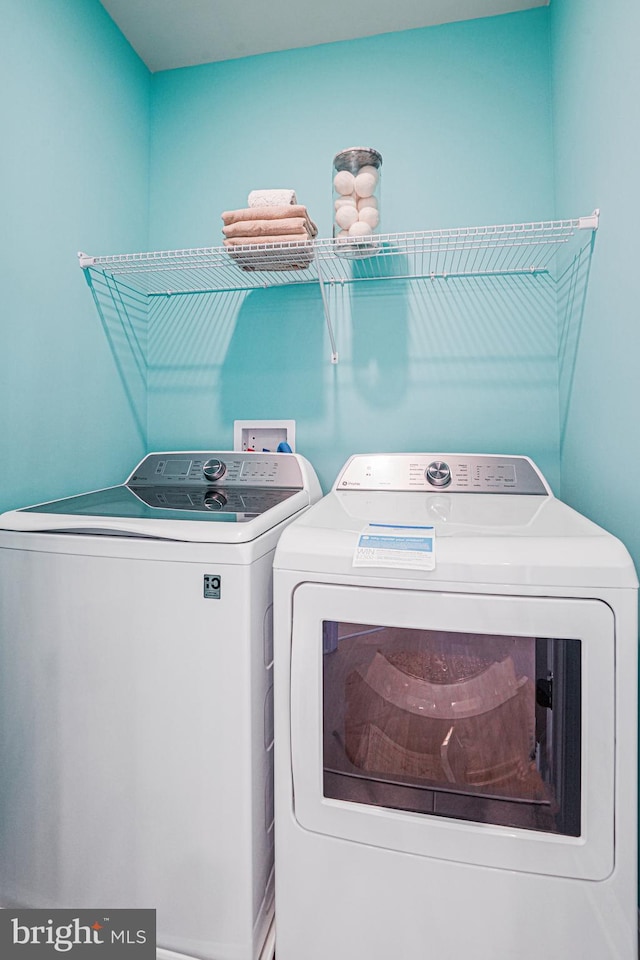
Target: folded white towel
x,y
266,198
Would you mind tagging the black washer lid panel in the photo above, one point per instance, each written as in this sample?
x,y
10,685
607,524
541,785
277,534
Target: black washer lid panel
x,y
170,502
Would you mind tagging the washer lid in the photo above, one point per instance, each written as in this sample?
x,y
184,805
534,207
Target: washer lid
x,y
170,496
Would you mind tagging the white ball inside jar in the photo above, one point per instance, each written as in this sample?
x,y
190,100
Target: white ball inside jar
x,y
365,184
366,202
346,215
359,229
349,201
343,182
369,215
369,168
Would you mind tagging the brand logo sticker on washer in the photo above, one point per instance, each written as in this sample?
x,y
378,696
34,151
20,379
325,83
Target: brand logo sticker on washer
x,y
388,545
212,586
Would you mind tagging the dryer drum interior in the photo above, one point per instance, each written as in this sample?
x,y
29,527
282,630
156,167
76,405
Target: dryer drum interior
x,y
479,727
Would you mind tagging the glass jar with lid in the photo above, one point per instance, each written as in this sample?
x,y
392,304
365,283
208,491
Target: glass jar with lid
x,y
356,195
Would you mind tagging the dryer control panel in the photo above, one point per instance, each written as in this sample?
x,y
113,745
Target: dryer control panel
x,y
433,472
227,469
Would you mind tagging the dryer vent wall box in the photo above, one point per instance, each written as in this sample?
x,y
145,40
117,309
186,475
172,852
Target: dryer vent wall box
x,y
263,435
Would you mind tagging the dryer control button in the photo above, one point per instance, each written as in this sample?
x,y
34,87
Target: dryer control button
x,y
438,474
214,469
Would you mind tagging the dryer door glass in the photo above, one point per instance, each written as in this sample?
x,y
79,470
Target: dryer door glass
x,y
478,727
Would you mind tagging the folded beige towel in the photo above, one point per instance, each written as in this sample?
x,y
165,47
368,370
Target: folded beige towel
x,y
276,212
266,228
296,238
264,221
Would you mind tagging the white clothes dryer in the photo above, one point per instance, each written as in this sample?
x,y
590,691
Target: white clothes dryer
x,y
455,719
136,733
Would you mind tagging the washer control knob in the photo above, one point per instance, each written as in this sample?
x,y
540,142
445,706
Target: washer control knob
x,y
214,500
214,469
438,474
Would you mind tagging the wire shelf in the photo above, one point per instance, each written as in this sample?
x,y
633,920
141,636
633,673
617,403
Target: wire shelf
x,y
464,251
509,249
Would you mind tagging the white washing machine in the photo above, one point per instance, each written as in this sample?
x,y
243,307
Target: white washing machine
x,y
455,722
136,727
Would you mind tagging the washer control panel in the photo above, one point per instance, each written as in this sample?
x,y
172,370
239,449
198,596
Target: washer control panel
x,y
219,468
431,472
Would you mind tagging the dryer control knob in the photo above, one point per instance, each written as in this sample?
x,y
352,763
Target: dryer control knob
x,y
214,469
438,474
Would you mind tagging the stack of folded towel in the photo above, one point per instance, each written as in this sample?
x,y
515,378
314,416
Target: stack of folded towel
x,y
272,233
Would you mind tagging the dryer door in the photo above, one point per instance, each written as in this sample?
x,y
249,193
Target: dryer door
x,y
466,727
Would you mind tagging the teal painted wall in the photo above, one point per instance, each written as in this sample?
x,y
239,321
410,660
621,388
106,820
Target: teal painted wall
x,y
462,116
74,115
596,118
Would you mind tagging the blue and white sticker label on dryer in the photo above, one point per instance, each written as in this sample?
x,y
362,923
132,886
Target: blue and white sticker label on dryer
x,y
388,545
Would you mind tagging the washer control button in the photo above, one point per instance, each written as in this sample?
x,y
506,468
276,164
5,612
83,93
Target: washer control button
x,y
214,469
438,474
